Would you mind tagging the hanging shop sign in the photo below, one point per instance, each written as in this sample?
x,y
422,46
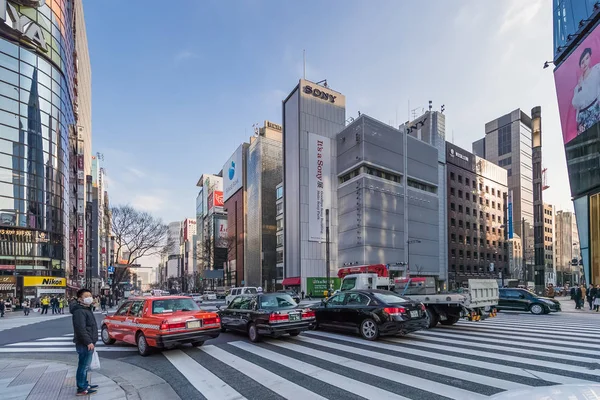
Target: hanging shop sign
x,y
51,281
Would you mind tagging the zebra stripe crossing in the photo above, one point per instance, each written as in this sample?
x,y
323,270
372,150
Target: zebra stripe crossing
x,y
442,363
58,344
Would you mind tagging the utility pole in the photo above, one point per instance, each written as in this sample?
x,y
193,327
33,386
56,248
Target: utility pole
x,y
523,251
327,251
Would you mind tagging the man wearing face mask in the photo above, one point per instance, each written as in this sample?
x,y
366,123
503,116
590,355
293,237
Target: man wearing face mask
x,y
85,336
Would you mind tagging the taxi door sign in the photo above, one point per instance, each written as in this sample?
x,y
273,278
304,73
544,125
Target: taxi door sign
x,y
44,281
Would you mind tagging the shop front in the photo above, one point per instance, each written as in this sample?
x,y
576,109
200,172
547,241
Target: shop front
x,y
37,286
8,284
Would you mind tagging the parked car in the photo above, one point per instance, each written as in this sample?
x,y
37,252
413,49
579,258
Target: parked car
x,y
266,314
372,313
523,300
234,292
209,295
196,296
293,295
160,322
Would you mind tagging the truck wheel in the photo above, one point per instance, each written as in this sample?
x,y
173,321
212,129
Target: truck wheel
x,y
450,320
433,318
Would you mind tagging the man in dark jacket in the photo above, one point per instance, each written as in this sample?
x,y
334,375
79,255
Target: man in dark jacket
x,y
85,336
2,307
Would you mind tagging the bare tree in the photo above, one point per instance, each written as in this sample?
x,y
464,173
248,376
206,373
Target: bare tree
x,y
140,235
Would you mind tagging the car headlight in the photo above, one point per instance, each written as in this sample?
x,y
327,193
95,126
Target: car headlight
x,y
549,302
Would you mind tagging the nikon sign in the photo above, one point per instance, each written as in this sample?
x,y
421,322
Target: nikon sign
x,y
44,281
20,26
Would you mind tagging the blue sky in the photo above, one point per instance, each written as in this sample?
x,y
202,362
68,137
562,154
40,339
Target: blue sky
x,y
176,88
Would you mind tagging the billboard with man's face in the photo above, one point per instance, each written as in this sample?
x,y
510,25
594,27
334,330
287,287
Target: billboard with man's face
x,y
577,82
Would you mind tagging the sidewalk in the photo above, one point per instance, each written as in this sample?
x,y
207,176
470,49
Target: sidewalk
x,y
568,306
23,379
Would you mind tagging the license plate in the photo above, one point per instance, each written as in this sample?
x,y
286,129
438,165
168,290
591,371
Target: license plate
x,y
414,314
193,324
294,317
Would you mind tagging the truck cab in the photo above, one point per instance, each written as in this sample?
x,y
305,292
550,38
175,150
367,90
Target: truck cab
x,y
364,282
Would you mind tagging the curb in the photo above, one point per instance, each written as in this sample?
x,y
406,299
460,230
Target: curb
x,y
136,382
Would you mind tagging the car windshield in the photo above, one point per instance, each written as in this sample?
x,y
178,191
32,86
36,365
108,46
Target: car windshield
x,y
348,284
389,298
250,291
276,301
173,305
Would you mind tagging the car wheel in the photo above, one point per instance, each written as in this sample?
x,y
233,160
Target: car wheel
x,y
450,320
142,345
223,329
294,333
106,339
369,329
198,343
536,309
433,318
253,333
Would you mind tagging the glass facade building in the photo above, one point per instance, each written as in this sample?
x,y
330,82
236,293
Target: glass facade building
x,y
37,92
568,17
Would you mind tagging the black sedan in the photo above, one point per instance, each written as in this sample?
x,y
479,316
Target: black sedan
x,y
523,300
266,314
372,313
292,294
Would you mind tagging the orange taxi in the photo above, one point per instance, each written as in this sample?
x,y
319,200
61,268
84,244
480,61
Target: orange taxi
x,y
160,322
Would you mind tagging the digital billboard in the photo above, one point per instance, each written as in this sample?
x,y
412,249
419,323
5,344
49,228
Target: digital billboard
x,y
577,82
233,173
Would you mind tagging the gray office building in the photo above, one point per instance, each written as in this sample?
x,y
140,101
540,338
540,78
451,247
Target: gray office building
x,y
312,117
389,199
264,172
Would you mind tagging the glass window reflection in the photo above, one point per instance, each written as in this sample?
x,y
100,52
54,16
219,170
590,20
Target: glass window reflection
x,y
9,76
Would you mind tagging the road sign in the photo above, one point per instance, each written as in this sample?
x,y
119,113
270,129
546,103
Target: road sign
x,y
111,269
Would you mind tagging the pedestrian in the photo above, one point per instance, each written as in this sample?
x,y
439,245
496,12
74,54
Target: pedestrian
x,y
583,294
26,307
103,303
596,298
550,291
302,293
2,307
590,296
45,304
85,336
578,298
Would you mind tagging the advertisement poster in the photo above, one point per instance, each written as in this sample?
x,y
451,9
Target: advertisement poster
x,y
221,233
315,287
319,185
232,174
577,82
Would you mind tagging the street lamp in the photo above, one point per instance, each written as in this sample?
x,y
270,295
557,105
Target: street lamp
x,y
408,243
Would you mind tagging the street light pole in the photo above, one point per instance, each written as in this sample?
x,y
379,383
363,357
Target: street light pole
x,y
327,250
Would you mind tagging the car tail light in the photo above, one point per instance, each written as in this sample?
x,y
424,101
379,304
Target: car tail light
x,y
211,321
166,326
277,318
395,310
423,308
308,314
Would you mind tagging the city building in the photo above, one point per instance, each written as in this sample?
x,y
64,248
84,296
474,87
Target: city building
x,y
576,44
477,205
174,254
211,230
515,259
235,204
388,199
313,115
39,179
564,244
188,263
549,255
279,249
508,143
265,171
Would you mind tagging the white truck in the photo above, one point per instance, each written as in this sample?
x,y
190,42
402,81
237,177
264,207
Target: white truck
x,y
476,302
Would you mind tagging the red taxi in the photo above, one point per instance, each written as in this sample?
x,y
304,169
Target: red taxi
x,y
160,322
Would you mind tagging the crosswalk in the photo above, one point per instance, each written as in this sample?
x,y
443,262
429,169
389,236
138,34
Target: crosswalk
x,y
59,344
11,322
465,361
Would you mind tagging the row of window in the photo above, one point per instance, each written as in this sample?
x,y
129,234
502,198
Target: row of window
x,y
468,211
422,186
467,240
474,269
505,161
469,225
473,184
373,171
494,205
476,255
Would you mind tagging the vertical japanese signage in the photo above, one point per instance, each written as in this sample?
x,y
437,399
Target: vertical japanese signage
x,y
319,185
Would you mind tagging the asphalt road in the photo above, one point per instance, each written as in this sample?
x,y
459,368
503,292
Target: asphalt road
x,y
470,360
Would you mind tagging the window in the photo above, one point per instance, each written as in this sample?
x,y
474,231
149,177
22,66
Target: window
x,y
460,223
460,239
452,191
276,300
474,212
509,172
280,224
468,240
487,215
124,308
452,206
279,192
481,214
460,253
460,179
356,299
453,237
422,186
504,162
279,208
467,197
467,211
504,140
279,240
481,200
493,192
171,305
137,309
389,298
236,303
487,202
481,187
453,252
460,208
452,177
452,222
493,204
337,300
349,175
487,189
468,225
467,182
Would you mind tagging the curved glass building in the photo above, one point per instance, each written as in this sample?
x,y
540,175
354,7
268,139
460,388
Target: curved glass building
x,y
38,90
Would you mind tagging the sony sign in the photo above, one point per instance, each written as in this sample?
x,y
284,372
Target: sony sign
x,y
319,93
22,26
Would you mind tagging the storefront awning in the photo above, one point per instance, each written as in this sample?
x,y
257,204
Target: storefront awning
x,y
291,281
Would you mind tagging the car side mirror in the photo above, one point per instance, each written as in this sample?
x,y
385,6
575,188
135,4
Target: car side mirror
x,y
222,308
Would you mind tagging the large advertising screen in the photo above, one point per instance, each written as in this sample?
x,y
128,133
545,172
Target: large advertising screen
x,y
233,173
577,82
319,185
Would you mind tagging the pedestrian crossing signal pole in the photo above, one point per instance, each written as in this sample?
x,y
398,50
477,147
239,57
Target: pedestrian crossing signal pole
x,y
327,251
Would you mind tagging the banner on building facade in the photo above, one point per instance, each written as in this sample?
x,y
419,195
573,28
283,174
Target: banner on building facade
x,y
510,215
319,185
44,281
221,233
232,173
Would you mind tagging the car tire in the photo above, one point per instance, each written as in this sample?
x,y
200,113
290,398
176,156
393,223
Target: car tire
x,y
106,339
537,309
368,329
432,317
223,329
253,333
294,333
198,343
142,344
450,320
